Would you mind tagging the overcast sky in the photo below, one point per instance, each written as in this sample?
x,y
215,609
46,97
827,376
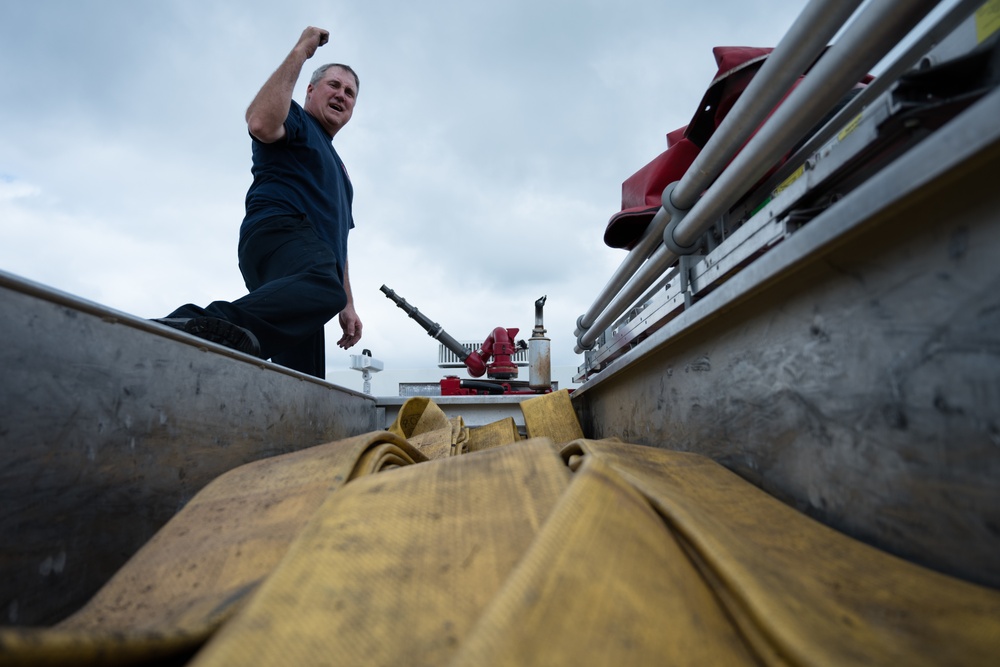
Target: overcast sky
x,y
487,149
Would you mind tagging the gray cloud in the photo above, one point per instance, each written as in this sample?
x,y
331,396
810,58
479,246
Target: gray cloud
x,y
487,149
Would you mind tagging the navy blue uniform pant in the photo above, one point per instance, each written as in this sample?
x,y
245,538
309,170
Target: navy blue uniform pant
x,y
296,287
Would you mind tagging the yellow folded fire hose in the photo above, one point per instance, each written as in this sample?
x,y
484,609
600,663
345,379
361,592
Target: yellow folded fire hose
x,y
437,544
192,575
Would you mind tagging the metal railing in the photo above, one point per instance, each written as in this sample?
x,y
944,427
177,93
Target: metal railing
x,y
685,216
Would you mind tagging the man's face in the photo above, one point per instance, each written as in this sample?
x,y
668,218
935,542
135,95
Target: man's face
x,y
331,99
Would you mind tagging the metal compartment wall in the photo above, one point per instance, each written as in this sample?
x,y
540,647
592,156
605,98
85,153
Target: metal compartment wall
x,y
110,424
853,371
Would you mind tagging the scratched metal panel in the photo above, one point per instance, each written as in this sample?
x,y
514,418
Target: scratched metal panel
x,y
854,371
109,424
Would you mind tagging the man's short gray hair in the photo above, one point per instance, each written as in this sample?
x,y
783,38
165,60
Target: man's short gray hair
x,y
318,74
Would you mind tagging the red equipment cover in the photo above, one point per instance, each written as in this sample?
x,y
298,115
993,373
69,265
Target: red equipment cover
x,y
642,192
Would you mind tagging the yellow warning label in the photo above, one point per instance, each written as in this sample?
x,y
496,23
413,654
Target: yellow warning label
x,y
987,20
788,181
850,127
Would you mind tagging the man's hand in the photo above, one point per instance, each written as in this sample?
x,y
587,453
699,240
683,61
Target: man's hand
x,y
351,324
311,39
266,114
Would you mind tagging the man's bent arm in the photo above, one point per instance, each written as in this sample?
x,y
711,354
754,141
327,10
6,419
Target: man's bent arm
x,y
266,114
349,320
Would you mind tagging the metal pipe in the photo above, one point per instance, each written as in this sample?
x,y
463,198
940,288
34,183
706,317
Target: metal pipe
x,y
869,37
798,49
659,262
651,238
539,353
472,360
433,329
539,304
879,27
908,60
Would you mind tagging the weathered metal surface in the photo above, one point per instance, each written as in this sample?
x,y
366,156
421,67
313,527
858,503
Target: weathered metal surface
x,y
109,424
854,371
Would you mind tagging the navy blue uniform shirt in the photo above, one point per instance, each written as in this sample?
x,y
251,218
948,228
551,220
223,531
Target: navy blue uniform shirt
x,y
301,174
